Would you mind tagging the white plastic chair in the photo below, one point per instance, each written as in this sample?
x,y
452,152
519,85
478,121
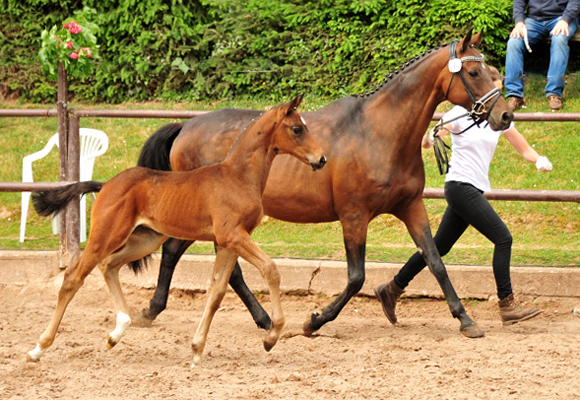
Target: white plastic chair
x,y
93,143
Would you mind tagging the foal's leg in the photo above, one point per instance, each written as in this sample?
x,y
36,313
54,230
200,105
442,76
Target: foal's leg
x,y
224,264
355,233
417,222
172,251
245,247
140,244
74,278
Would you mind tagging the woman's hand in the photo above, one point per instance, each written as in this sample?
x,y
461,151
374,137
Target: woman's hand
x,y
543,164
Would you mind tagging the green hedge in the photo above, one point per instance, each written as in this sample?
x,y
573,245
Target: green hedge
x,y
209,49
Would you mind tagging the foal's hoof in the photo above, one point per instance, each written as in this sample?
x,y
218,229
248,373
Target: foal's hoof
x,y
111,342
31,359
268,346
472,331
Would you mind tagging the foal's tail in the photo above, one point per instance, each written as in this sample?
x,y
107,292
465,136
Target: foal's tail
x,y
52,201
155,151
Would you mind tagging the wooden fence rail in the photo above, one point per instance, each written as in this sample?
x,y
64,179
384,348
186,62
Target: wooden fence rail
x,y
69,122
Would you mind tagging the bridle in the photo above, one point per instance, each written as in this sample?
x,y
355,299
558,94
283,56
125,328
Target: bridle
x,y
477,110
455,66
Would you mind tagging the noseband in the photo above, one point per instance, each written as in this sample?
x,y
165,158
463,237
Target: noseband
x,y
477,110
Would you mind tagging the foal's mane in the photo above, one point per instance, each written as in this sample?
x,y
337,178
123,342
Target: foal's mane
x,y
391,75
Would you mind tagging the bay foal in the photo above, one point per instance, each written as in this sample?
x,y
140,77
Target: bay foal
x,y
138,209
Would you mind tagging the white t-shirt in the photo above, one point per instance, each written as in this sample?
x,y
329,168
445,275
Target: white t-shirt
x,y
472,150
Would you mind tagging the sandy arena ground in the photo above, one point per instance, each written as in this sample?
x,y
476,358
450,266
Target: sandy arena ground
x,y
358,356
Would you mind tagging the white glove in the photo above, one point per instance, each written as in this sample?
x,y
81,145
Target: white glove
x,y
430,136
543,164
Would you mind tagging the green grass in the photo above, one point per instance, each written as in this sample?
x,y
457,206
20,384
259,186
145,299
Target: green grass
x,y
544,233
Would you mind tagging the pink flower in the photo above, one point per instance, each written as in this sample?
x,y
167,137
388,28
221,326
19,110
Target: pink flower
x,y
73,27
87,50
69,45
74,55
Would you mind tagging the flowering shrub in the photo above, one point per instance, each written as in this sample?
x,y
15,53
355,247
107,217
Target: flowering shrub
x,y
74,45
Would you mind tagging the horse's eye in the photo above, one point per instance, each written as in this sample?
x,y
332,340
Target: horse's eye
x,y
473,74
297,130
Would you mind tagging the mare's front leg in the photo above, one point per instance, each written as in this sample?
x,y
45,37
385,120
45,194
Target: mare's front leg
x,y
172,251
224,264
417,222
355,233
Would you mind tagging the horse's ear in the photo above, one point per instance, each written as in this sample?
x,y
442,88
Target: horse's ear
x,y
470,40
462,46
293,105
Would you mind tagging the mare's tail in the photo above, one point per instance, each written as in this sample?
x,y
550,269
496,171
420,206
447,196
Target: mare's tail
x,y
48,202
155,151
155,155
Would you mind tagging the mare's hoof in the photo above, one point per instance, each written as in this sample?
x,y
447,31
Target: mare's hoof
x,y
308,327
30,359
141,319
472,331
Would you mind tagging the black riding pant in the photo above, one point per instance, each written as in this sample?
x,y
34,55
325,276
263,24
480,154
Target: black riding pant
x,y
467,206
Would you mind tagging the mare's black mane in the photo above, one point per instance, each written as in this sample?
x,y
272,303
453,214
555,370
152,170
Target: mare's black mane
x,y
404,65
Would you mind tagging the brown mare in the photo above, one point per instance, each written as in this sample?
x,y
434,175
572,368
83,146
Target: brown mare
x,y
375,167
140,208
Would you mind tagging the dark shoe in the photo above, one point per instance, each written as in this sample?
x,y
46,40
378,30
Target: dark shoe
x,y
512,313
388,294
515,103
555,102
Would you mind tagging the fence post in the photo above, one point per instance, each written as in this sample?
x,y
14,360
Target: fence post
x,y
73,174
62,116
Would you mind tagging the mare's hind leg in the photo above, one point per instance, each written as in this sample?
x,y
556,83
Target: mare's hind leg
x,y
74,278
417,222
355,233
260,316
172,251
224,264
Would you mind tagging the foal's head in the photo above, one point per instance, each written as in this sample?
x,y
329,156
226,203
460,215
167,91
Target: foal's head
x,y
291,135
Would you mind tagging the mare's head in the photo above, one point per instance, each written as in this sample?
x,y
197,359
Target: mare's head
x,y
467,82
291,135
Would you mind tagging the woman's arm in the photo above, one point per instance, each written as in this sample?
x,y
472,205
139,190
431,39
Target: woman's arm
x,y
519,142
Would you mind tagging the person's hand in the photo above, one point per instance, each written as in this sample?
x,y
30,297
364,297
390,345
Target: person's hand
x,y
429,139
518,31
543,164
561,28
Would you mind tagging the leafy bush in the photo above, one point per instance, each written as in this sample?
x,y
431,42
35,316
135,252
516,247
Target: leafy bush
x,y
208,49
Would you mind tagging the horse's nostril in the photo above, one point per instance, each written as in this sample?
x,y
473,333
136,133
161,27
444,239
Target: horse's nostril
x,y
322,161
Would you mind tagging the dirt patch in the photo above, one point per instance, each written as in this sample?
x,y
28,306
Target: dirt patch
x,y
358,356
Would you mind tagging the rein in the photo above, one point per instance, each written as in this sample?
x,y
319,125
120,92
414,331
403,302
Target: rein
x,y
477,110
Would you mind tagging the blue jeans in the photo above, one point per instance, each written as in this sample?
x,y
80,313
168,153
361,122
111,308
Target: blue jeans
x,y
467,206
559,52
